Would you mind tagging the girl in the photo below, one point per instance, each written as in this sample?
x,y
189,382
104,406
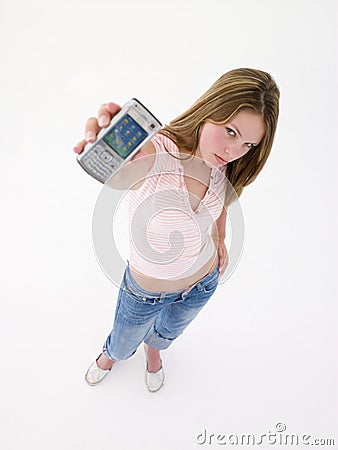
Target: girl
x,y
226,135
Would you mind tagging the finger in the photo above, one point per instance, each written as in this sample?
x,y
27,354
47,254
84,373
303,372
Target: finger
x,y
113,108
91,129
222,267
78,148
106,112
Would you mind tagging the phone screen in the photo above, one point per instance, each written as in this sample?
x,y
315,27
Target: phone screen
x,y
125,136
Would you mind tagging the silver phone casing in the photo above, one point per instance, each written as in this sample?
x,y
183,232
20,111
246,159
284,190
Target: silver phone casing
x,y
99,160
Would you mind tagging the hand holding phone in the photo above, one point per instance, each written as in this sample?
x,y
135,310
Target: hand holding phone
x,y
105,151
94,125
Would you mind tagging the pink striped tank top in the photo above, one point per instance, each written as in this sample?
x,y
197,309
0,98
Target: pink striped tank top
x,y
167,239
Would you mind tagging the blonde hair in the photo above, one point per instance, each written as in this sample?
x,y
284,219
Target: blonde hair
x,y
239,89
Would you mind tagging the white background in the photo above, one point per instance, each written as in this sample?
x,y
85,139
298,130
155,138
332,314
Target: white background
x,y
264,350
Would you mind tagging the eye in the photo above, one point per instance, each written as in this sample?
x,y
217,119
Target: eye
x,y
229,130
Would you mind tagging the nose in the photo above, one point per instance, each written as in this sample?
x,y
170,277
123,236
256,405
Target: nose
x,y
232,151
227,154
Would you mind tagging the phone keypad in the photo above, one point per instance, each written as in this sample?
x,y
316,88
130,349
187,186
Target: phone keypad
x,y
106,156
100,162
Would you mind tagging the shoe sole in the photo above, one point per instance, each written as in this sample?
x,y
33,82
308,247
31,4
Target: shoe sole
x,y
95,383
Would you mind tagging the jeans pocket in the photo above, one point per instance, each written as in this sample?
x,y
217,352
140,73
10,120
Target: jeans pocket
x,y
209,286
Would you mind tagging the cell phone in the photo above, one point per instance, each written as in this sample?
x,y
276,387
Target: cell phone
x,y
126,134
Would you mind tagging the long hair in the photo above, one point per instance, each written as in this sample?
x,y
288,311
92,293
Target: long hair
x,y
239,89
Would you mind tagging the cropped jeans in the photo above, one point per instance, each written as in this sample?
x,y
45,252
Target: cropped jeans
x,y
156,318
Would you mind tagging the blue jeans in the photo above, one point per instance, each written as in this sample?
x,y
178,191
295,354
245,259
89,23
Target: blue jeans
x,y
156,318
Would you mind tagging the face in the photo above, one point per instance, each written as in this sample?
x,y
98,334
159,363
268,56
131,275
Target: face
x,y
232,140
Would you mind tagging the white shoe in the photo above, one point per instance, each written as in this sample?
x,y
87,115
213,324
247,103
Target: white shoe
x,y
154,380
95,374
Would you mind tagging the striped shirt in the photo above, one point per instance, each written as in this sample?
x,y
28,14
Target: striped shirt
x,y
167,239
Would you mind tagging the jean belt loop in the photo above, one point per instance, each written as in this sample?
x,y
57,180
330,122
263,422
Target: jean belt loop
x,y
186,291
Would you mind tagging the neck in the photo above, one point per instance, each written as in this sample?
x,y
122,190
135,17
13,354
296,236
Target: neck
x,y
198,160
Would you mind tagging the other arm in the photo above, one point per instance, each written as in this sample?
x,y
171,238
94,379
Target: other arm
x,y
218,228
218,235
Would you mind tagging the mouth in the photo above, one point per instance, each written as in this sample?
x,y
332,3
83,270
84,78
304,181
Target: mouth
x,y
220,160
